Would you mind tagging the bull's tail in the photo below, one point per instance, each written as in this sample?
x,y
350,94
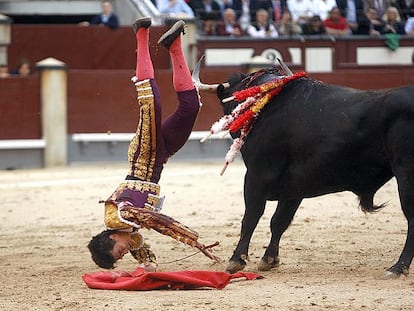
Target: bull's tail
x,y
366,203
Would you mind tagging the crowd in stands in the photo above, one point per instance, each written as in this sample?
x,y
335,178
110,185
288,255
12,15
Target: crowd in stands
x,y
23,69
281,18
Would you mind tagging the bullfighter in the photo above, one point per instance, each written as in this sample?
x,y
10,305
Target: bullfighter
x,y
136,203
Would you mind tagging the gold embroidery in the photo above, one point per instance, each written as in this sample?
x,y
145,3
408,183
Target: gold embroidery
x,y
160,223
142,149
153,200
136,185
112,221
144,254
138,240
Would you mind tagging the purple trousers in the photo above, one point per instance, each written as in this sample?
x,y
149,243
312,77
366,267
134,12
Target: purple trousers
x,y
150,149
154,142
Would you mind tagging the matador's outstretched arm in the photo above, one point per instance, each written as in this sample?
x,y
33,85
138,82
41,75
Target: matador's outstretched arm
x,y
165,225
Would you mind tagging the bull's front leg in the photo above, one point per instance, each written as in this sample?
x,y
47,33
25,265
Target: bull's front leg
x,y
280,221
254,207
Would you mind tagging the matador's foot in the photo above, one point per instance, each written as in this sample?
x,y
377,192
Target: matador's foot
x,y
173,33
143,22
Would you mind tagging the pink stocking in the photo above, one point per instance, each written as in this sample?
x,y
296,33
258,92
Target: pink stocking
x,y
182,80
144,68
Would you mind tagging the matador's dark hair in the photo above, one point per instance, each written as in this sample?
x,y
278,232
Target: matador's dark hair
x,y
101,247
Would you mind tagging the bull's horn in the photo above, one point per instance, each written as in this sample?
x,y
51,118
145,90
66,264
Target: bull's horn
x,y
285,68
202,87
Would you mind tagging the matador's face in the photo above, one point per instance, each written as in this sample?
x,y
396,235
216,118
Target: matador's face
x,y
123,243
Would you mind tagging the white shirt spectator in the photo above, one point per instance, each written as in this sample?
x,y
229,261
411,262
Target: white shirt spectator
x,y
351,13
244,19
262,28
262,32
322,7
301,10
175,7
409,26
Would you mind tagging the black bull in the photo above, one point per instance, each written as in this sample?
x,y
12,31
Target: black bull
x,y
313,139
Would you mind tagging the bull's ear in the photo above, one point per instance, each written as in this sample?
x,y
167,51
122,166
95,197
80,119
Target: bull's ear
x,y
237,77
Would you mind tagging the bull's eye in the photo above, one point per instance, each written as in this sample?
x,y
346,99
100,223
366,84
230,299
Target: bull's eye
x,y
220,90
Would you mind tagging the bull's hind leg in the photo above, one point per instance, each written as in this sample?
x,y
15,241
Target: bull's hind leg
x,y
281,220
254,207
405,180
400,140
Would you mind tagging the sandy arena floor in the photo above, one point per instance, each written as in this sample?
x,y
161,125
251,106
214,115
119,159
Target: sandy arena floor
x,y
333,256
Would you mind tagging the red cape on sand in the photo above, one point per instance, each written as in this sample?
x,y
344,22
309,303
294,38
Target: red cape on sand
x,y
141,280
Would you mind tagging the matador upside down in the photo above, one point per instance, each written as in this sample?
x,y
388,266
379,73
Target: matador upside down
x,y
136,202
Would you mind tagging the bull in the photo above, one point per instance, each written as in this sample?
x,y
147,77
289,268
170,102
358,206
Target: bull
x,y
313,139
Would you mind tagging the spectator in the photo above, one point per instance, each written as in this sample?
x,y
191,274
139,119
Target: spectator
x,y
262,28
246,10
287,27
323,7
207,13
380,5
371,24
202,8
24,68
353,11
226,4
243,14
208,25
314,26
393,23
335,24
301,10
178,8
409,26
279,6
229,26
405,8
4,71
256,5
106,18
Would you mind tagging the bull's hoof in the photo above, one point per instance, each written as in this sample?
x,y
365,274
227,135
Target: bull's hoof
x,y
234,266
394,273
388,275
270,263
